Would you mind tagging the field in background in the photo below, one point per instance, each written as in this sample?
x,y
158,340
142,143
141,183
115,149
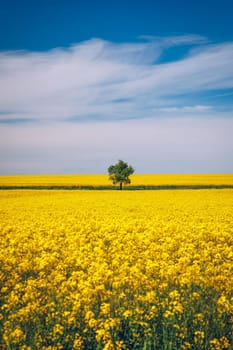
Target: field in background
x,y
116,270
102,180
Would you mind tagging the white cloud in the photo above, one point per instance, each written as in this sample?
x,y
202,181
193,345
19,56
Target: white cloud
x,y
175,40
191,109
131,107
102,79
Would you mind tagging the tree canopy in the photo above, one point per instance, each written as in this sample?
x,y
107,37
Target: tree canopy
x,y
120,172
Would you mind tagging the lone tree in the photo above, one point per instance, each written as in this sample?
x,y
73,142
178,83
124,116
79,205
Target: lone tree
x,y
120,172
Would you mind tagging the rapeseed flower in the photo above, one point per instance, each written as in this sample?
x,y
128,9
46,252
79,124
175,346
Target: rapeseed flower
x,y
110,270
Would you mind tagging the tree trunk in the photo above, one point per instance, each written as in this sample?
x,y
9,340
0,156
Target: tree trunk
x,y
120,185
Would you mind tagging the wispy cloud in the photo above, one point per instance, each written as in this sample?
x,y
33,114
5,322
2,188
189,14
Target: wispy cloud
x,y
98,79
191,109
163,42
163,113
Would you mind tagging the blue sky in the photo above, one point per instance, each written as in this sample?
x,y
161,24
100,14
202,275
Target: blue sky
x,y
85,83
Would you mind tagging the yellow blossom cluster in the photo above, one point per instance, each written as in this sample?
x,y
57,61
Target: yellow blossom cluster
x,y
116,270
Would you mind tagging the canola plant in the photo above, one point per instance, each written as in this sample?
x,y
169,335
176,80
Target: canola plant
x,y
103,180
116,270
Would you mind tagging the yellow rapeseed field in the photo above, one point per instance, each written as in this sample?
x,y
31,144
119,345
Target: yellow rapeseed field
x,y
103,180
116,270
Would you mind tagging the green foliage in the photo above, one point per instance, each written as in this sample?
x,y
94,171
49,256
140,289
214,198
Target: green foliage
x,y
120,172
